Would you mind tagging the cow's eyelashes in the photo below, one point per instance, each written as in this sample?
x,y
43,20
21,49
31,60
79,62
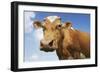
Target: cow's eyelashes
x,y
59,26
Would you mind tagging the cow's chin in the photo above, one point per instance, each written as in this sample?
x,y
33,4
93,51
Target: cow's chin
x,y
47,49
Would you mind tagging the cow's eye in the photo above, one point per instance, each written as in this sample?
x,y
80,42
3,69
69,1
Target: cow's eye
x,y
58,26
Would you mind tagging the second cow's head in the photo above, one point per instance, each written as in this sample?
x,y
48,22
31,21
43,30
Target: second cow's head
x,y
52,27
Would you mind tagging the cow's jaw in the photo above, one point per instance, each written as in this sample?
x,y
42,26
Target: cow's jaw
x,y
47,50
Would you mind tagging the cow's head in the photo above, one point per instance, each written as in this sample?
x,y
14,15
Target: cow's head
x,y
52,32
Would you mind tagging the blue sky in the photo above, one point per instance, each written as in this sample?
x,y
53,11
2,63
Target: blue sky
x,y
32,36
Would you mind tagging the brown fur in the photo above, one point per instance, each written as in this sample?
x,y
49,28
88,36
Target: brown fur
x,y
74,43
66,41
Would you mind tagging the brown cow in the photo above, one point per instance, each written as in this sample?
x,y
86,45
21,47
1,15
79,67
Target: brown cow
x,y
68,42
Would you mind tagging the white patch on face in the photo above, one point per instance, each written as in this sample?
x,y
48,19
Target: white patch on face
x,y
52,18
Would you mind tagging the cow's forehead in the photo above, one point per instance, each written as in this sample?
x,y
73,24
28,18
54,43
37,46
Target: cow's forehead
x,y
52,18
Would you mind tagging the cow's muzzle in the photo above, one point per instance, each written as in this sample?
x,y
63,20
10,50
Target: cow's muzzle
x,y
45,46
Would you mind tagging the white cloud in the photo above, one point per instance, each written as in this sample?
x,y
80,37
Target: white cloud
x,y
29,16
39,34
34,57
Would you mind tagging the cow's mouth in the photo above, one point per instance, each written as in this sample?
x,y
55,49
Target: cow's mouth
x,y
47,49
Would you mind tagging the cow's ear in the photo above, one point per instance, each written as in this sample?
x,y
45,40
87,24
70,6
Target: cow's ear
x,y
37,24
67,25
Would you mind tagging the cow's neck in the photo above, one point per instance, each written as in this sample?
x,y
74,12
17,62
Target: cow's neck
x,y
62,52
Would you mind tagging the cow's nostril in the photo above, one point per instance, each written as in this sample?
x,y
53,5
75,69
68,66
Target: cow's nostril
x,y
51,43
41,43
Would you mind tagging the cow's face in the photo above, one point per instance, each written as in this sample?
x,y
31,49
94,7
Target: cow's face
x,y
51,31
